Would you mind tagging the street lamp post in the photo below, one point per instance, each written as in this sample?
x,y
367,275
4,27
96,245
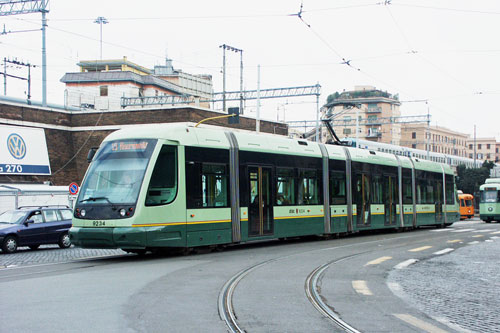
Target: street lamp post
x,y
101,20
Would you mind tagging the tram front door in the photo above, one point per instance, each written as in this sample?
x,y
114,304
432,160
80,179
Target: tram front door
x,y
260,212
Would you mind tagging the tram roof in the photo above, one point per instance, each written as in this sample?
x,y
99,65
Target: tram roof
x,y
215,137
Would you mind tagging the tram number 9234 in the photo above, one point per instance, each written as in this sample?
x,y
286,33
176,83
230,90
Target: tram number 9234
x,y
99,223
11,168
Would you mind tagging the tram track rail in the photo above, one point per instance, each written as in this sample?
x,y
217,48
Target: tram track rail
x,y
225,300
314,296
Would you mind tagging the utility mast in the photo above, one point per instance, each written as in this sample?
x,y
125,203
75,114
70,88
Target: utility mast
x,y
16,7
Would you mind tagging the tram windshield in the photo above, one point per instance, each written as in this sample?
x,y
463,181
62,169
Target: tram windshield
x,y
489,196
117,172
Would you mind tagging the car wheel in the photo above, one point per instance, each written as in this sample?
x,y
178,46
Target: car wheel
x,y
9,244
64,241
34,247
487,221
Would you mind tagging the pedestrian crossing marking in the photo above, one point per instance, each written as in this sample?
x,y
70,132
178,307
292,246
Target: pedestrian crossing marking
x,y
425,326
463,230
478,236
361,288
454,241
405,263
378,261
443,251
495,233
418,249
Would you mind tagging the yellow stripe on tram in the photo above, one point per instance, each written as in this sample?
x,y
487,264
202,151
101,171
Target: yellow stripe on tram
x,y
179,223
296,217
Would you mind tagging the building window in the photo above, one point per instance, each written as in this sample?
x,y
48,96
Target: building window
x,y
479,146
488,146
414,136
470,146
347,131
488,157
470,155
103,90
414,145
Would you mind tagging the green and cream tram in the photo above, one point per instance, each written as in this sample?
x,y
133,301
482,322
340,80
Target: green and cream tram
x,y
489,200
174,185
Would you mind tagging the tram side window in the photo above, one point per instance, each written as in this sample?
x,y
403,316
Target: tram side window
x,y
407,191
438,188
214,184
207,185
309,188
285,187
163,184
425,188
337,188
450,189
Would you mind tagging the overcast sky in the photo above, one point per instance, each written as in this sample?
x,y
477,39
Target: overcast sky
x,y
445,52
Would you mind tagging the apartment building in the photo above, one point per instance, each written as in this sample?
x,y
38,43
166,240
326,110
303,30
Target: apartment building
x,y
365,113
101,84
435,138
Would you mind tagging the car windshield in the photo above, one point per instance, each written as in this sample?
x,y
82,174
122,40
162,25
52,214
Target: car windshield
x,y
116,174
12,216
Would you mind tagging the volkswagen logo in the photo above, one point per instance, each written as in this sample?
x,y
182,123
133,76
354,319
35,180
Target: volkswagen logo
x,y
490,209
16,146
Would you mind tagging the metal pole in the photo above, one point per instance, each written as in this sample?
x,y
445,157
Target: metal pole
x,y
29,84
257,120
317,118
428,131
241,82
5,76
474,146
357,126
224,78
44,58
100,24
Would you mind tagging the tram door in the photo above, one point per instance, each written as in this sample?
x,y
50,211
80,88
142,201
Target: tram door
x,y
362,199
260,212
391,199
438,192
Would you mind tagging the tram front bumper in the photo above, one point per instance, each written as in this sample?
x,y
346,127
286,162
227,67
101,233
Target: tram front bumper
x,y
108,238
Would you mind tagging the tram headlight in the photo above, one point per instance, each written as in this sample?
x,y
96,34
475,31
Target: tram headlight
x,y
122,212
83,212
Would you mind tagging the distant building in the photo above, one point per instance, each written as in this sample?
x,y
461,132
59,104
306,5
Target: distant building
x,y
368,109
100,84
434,138
485,148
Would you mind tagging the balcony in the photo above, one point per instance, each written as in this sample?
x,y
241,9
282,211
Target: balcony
x,y
374,110
373,135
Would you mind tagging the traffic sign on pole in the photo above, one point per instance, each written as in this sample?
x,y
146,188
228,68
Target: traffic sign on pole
x,y
73,188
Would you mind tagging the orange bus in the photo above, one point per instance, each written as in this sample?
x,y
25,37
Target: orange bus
x,y
466,205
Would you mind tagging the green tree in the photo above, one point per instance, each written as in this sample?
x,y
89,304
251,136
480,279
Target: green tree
x,y
469,180
332,97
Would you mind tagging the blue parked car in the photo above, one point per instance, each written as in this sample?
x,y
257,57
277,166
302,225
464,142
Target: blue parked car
x,y
34,226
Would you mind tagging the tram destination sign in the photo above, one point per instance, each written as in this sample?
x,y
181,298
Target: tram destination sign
x,y
23,151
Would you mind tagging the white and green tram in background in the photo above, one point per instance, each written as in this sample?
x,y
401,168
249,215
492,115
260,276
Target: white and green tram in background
x,y
489,201
174,185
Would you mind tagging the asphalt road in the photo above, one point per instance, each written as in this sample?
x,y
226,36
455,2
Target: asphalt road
x,y
427,280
